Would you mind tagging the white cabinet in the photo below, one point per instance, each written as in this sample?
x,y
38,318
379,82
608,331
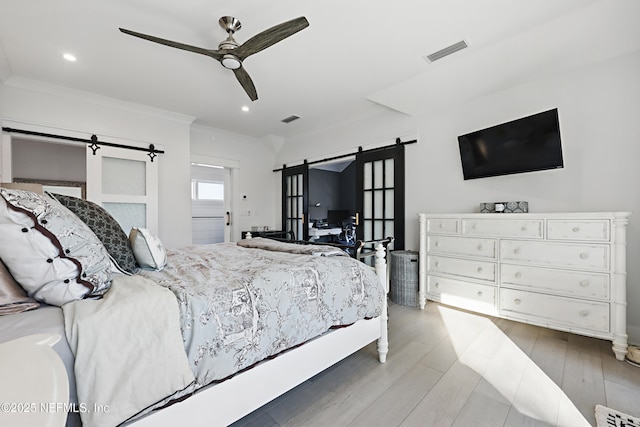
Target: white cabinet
x,y
565,271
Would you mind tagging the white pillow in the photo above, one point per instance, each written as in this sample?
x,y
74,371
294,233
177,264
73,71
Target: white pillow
x,y
49,251
148,249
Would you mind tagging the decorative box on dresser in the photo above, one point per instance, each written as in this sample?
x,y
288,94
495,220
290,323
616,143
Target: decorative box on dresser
x,y
564,271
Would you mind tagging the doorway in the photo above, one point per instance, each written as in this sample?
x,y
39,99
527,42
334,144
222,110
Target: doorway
x,y
332,200
210,205
371,191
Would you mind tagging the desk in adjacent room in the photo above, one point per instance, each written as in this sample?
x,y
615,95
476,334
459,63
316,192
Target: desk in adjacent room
x,y
315,233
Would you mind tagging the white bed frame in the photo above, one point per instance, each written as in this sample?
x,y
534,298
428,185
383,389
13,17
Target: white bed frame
x,y
219,404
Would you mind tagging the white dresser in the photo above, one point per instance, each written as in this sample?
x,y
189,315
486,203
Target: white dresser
x,y
565,271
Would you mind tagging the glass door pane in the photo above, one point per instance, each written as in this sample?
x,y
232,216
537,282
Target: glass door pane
x,y
124,176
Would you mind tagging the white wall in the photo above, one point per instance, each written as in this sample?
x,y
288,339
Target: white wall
x,y
61,109
254,176
44,160
598,105
598,108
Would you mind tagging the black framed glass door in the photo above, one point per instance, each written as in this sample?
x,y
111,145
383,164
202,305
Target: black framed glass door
x,y
380,194
295,201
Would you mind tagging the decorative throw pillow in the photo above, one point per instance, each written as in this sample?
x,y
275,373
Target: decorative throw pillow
x,y
114,239
53,255
148,249
13,299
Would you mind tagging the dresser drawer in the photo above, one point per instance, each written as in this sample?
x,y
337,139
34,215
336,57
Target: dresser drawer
x,y
562,282
593,257
531,229
464,268
572,229
443,225
470,296
567,313
462,246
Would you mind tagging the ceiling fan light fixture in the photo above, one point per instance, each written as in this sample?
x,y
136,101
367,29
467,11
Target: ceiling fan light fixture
x,y
231,62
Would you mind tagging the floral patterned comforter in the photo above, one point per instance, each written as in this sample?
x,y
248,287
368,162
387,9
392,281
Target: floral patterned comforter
x,y
241,305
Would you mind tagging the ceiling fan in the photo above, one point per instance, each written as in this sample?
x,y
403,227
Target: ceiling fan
x,y
230,53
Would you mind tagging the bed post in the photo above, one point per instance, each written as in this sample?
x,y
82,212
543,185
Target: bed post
x,y
381,272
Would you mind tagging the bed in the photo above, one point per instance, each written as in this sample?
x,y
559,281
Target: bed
x,y
203,334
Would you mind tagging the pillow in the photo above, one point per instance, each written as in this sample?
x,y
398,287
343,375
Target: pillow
x,y
114,239
148,249
13,298
53,255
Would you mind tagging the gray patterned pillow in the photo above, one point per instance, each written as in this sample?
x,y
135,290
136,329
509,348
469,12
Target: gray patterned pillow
x,y
49,251
105,227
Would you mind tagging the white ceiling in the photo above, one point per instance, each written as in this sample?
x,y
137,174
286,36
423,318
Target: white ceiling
x,y
355,58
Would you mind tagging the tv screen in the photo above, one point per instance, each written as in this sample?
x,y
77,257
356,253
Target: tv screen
x,y
523,145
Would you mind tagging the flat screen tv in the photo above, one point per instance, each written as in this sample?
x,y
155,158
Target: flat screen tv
x,y
524,145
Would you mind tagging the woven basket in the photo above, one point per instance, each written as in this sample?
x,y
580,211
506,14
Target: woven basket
x,y
403,276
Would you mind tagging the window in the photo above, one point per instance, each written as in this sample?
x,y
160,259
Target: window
x,y
207,190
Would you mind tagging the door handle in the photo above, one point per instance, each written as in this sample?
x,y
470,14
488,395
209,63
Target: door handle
x,y
357,221
228,215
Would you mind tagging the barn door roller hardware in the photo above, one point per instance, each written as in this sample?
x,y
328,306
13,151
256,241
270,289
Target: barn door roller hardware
x,y
93,143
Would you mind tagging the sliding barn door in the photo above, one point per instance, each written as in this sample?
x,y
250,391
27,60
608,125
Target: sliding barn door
x,y
125,183
380,195
295,204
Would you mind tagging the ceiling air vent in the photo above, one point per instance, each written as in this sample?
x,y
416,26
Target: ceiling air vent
x,y
290,119
446,51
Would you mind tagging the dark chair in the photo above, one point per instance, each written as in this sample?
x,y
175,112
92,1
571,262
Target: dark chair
x,y
348,234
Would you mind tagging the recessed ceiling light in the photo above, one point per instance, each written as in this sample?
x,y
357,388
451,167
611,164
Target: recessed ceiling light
x,y
69,57
245,108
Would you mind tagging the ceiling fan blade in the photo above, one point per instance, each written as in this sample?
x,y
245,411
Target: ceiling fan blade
x,y
270,37
246,82
208,52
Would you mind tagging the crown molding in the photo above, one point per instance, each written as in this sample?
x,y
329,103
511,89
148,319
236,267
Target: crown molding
x,y
78,95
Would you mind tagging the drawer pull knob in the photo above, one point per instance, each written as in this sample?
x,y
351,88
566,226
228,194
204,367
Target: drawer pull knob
x,y
517,301
584,255
473,226
479,270
437,285
584,283
516,251
479,247
437,264
584,313
436,243
479,293
518,275
523,228
575,229
440,225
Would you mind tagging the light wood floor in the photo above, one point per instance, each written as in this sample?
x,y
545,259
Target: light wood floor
x,y
448,367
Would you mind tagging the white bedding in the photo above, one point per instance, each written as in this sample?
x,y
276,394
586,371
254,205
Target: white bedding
x,y
135,327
